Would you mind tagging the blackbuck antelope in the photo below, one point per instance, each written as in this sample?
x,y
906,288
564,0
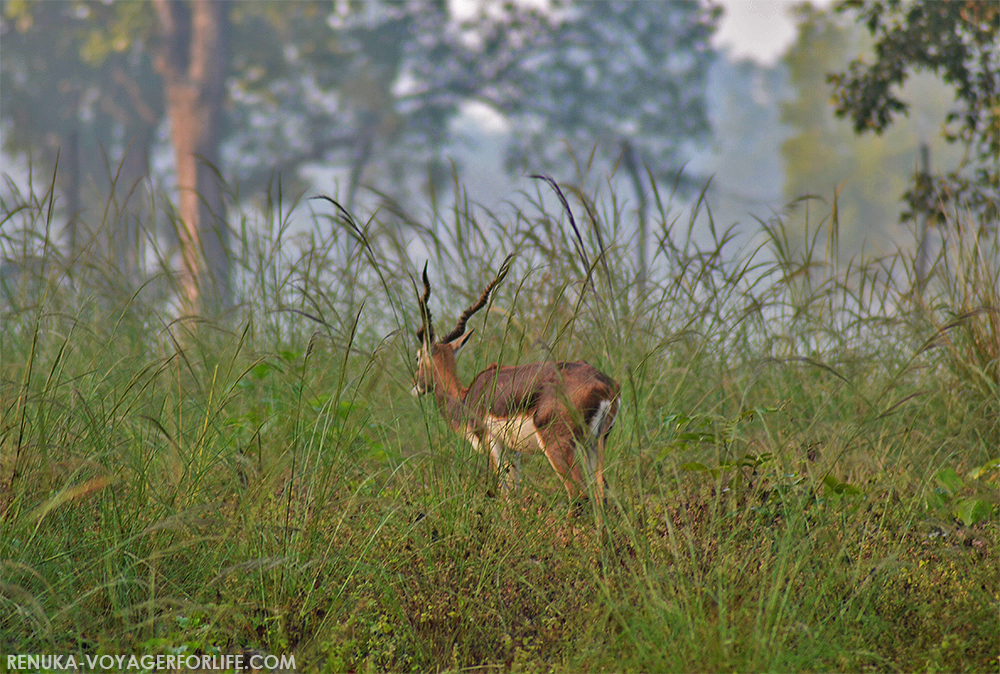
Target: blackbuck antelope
x,y
553,407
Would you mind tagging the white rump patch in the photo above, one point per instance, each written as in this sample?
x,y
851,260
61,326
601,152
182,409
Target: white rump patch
x,y
602,411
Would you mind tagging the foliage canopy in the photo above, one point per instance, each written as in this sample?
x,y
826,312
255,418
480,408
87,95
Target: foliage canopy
x,y
958,42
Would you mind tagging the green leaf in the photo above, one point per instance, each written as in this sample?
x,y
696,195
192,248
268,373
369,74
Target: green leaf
x,y
755,460
695,467
696,436
991,466
345,408
290,355
936,500
833,486
974,510
261,370
949,480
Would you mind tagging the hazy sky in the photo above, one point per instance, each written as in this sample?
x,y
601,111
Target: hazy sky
x,y
761,29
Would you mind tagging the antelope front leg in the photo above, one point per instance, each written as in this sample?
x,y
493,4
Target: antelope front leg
x,y
508,471
514,470
594,450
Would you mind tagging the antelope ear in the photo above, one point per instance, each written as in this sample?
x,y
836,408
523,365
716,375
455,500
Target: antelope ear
x,y
457,343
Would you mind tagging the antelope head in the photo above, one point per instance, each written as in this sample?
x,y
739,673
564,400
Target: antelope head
x,y
436,360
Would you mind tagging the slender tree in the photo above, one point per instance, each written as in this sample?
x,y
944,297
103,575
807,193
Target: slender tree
x,y
193,59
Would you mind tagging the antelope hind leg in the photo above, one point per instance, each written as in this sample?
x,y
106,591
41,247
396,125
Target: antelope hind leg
x,y
560,451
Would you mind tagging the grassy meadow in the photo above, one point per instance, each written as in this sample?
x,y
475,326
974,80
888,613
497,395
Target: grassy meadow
x,y
803,477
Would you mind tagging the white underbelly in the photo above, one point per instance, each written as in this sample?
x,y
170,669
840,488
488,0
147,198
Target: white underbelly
x,y
517,433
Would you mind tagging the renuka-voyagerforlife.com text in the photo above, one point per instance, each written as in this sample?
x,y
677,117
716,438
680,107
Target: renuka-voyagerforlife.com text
x,y
237,662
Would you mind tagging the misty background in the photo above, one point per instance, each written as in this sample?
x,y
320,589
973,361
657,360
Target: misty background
x,y
408,108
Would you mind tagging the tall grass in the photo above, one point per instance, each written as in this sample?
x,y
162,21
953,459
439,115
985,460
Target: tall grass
x,y
803,476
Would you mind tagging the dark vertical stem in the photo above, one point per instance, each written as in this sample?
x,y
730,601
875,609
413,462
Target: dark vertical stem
x,y
923,181
72,172
632,166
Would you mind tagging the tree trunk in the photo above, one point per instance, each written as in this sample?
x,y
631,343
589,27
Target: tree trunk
x,y
194,60
923,244
66,156
132,214
71,170
632,167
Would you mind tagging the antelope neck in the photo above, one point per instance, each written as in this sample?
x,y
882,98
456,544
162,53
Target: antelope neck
x,y
459,415
447,377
